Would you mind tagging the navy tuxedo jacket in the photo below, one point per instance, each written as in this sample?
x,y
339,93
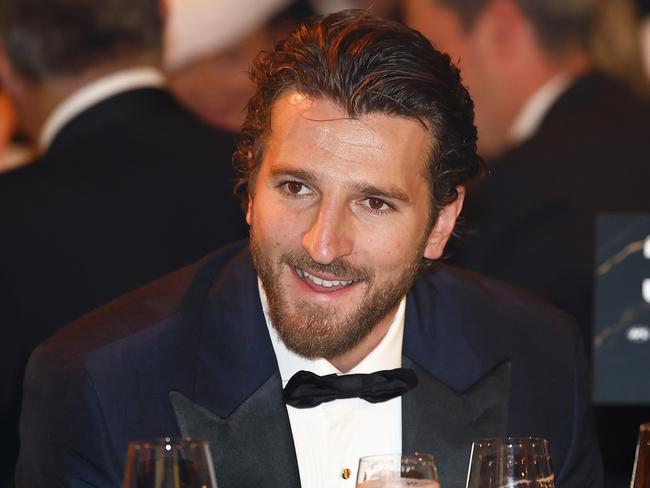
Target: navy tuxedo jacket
x,y
191,355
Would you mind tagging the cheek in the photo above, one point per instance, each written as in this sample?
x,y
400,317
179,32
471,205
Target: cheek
x,y
273,227
389,250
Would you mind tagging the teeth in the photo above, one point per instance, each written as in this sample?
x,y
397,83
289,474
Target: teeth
x,y
321,282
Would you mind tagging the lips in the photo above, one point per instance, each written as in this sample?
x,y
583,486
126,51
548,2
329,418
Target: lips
x,y
328,285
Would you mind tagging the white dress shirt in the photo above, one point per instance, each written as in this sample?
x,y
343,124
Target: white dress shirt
x,y
532,113
93,93
333,436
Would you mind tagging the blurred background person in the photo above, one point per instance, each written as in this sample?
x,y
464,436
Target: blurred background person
x,y
563,141
129,185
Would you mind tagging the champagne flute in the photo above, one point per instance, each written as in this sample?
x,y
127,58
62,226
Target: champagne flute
x,y
641,471
170,462
510,462
397,471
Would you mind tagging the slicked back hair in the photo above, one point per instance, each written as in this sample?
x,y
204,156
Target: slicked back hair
x,y
558,23
50,38
367,65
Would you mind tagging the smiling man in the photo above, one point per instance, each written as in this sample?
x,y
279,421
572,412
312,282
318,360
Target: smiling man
x,y
334,334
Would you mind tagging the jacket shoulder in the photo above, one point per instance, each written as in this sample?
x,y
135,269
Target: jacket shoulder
x,y
146,307
478,301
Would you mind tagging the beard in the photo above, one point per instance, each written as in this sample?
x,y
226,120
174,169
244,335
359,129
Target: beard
x,y
318,331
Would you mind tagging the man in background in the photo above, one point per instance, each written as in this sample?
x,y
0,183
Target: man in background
x,y
128,187
562,142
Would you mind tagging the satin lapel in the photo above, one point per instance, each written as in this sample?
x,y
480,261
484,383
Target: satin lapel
x,y
443,422
251,447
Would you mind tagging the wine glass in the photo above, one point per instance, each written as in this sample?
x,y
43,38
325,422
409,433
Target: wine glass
x,y
641,472
170,462
397,471
510,462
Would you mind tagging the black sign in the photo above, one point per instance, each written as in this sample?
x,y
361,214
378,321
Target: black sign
x,y
621,344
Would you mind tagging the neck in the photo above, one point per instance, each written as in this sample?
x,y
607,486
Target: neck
x,y
572,64
35,101
349,359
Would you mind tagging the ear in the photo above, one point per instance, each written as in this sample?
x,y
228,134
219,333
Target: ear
x,y
444,226
249,210
503,22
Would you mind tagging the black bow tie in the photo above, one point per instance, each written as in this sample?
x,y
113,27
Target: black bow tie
x,y
307,390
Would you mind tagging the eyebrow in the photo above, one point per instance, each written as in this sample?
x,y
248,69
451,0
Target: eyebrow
x,y
390,193
299,174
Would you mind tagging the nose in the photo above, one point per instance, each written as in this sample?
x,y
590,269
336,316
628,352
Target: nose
x,y
329,236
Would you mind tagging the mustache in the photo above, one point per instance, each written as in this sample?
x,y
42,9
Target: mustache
x,y
341,267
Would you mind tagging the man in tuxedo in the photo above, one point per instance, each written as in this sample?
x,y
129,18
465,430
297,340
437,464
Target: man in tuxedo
x,y
320,342
128,187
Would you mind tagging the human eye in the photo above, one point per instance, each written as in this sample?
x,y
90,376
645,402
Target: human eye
x,y
376,205
295,188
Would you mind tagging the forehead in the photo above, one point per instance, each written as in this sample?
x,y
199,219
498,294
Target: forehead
x,y
318,130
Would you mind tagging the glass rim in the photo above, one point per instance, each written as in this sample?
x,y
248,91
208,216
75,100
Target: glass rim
x,y
393,455
175,441
511,441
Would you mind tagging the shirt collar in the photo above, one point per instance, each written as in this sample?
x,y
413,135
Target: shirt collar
x,y
532,113
387,354
93,93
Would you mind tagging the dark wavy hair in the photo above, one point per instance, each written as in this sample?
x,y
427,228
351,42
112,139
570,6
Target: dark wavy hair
x,y
367,65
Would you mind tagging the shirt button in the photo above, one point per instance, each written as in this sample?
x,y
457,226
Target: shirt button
x,y
345,474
